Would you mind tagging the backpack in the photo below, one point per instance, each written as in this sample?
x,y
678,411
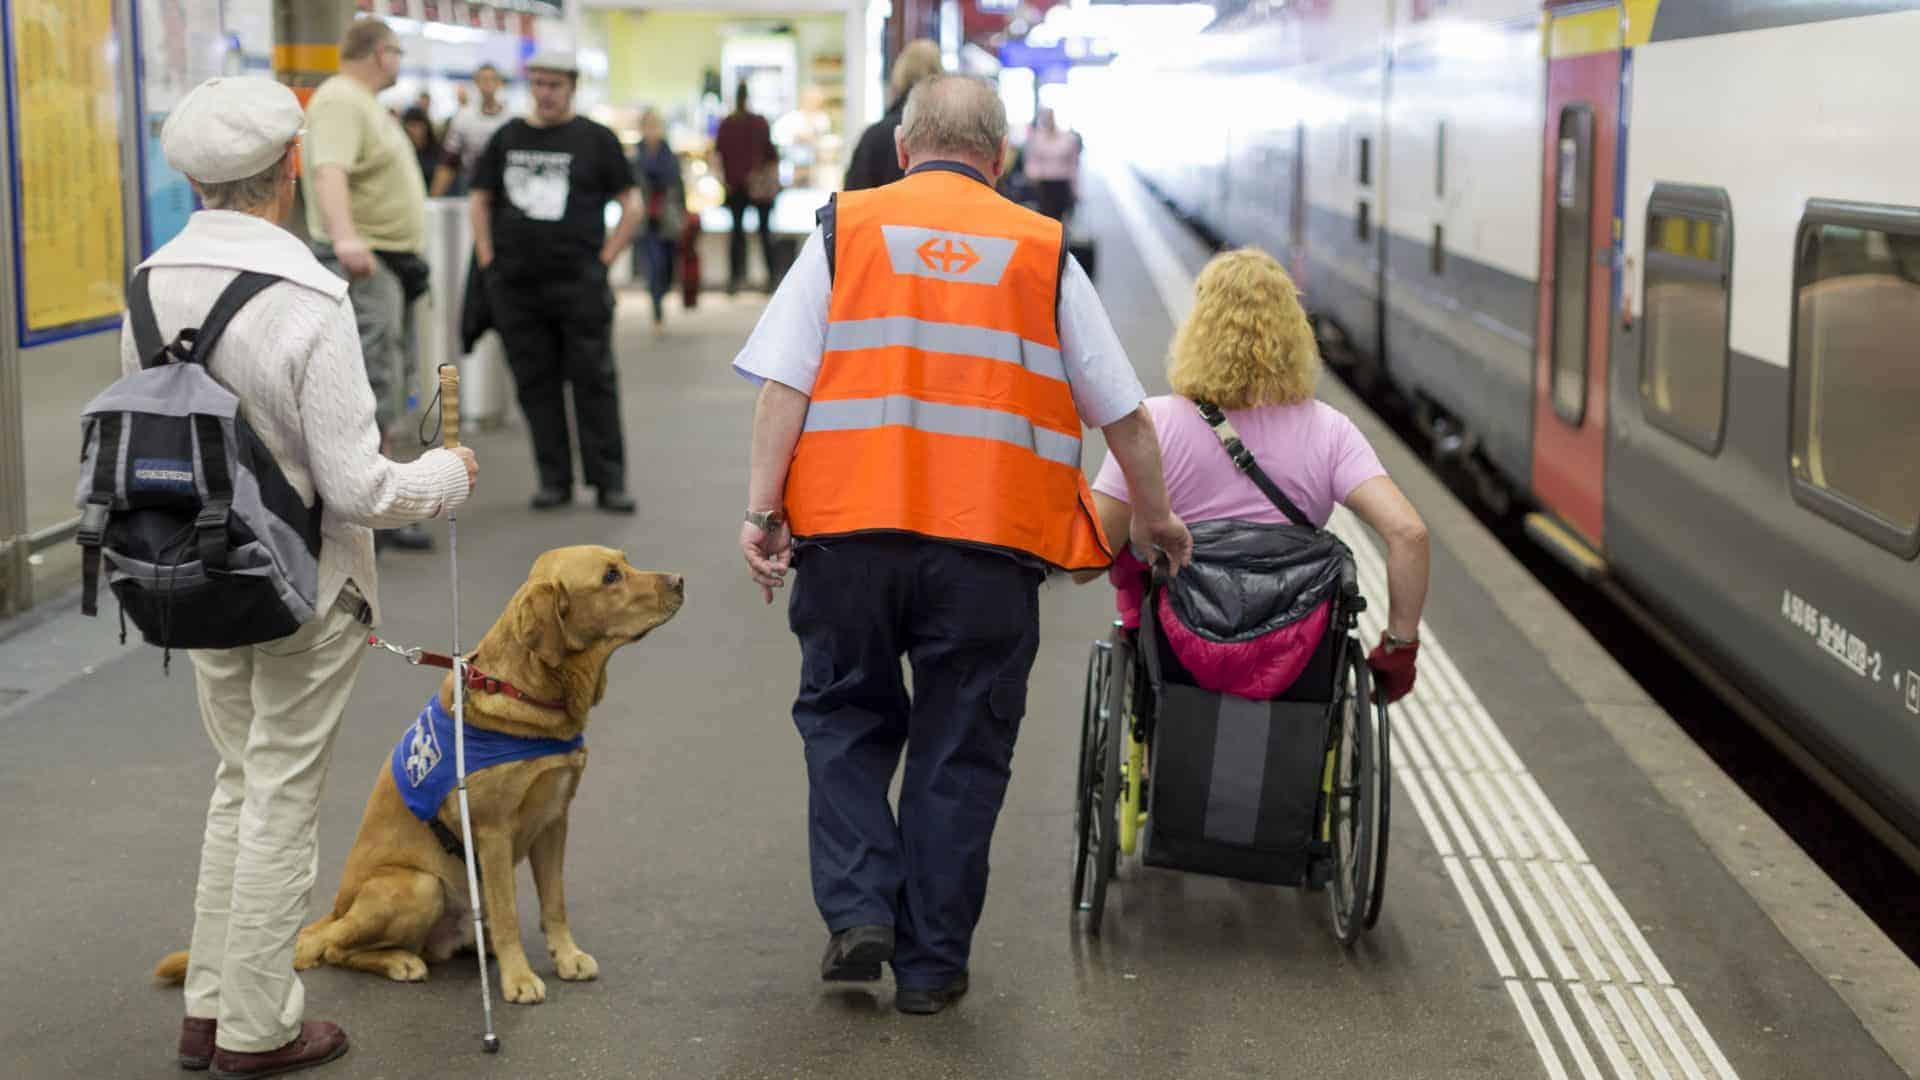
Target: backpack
x,y
206,544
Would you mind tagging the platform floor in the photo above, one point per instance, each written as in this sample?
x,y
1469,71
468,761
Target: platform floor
x,y
1572,893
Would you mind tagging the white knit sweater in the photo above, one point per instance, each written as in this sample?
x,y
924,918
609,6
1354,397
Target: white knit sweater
x,y
292,356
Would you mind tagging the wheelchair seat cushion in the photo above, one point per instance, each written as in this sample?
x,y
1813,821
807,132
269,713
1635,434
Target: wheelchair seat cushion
x,y
1249,613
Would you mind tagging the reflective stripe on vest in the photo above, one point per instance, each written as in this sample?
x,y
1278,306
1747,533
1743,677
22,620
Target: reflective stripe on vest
x,y
942,406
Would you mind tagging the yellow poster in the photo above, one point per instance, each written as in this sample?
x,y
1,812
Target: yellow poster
x,y
66,109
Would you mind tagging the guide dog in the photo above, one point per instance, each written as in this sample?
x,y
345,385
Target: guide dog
x,y
403,893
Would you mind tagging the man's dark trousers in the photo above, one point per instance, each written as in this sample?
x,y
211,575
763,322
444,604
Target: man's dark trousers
x,y
558,330
968,622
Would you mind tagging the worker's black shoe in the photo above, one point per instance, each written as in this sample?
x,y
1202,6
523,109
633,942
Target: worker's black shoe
x,y
929,1001
616,502
856,953
551,498
406,538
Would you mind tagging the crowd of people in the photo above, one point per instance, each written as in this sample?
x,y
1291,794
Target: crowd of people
x,y
922,532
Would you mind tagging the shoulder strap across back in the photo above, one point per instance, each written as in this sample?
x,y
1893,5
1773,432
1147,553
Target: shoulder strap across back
x,y
1243,460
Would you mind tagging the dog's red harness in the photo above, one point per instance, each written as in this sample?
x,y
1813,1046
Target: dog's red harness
x,y
478,682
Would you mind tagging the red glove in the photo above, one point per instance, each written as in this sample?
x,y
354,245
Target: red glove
x,y
1392,671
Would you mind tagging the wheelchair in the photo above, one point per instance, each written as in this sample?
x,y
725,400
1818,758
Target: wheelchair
x,y
1292,791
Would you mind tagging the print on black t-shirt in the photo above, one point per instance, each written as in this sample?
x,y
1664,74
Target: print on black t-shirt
x,y
537,182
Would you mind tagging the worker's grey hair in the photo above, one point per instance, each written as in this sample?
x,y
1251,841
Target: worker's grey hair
x,y
954,114
246,193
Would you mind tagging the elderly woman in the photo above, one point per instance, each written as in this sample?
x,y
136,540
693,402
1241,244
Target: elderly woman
x,y
292,357
1247,348
658,169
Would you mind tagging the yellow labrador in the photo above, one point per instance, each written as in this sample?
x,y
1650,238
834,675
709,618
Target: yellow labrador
x,y
403,896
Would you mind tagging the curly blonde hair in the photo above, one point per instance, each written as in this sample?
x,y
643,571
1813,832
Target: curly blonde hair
x,y
1247,341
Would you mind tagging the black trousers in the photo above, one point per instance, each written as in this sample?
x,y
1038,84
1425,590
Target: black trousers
x,y
968,623
737,203
1056,198
559,332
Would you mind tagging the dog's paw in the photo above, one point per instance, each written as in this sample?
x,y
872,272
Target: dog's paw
x,y
407,968
577,966
523,988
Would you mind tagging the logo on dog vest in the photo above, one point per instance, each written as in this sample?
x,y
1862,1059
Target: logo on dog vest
x,y
947,256
163,474
423,750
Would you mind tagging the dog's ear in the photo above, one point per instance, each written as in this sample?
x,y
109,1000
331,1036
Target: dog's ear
x,y
539,620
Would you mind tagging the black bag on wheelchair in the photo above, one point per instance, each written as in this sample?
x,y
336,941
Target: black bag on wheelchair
x,y
1236,781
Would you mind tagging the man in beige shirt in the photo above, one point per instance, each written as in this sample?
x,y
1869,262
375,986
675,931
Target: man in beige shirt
x,y
367,215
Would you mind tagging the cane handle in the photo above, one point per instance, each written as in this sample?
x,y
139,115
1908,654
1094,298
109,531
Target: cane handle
x,y
450,405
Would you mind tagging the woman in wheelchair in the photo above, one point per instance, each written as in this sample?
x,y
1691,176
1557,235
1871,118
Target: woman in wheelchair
x,y
1247,348
1231,726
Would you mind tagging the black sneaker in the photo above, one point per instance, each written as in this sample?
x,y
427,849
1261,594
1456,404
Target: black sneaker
x,y
856,953
551,498
930,1001
616,502
407,538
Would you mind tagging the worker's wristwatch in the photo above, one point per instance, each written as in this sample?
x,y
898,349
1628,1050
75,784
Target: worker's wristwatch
x,y
767,520
1395,642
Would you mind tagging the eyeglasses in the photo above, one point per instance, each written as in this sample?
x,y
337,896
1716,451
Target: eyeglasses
x,y
394,49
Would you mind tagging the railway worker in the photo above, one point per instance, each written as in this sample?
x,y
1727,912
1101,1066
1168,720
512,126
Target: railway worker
x,y
292,356
1246,347
920,503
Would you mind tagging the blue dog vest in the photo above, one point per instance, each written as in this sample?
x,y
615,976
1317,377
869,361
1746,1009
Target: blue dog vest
x,y
423,767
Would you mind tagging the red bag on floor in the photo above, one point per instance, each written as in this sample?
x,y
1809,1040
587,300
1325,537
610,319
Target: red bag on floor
x,y
690,262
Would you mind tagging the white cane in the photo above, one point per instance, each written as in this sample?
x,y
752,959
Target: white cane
x,y
450,430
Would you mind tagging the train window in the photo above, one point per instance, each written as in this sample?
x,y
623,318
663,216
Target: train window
x,y
1366,161
1683,335
1363,222
1572,261
1440,160
1437,253
1855,449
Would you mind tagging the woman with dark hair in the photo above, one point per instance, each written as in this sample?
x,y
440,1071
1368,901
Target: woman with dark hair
x,y
426,144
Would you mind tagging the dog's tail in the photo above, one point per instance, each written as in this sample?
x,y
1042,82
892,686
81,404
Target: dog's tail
x,y
171,971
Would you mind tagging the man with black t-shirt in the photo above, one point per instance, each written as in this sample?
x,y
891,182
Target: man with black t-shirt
x,y
538,204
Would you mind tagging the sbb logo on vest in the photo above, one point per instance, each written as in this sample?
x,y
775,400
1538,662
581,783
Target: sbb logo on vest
x,y
948,256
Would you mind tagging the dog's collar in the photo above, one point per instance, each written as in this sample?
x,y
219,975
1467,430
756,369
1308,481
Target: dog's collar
x,y
478,682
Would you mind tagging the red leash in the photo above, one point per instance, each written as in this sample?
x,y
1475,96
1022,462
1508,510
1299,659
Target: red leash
x,y
478,682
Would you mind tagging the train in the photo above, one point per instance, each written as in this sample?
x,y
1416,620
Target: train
x,y
1649,270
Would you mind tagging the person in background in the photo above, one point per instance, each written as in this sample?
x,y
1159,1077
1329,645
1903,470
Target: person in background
x,y
426,145
665,197
292,357
750,169
923,531
875,160
424,102
538,206
1247,347
468,132
367,216
1053,164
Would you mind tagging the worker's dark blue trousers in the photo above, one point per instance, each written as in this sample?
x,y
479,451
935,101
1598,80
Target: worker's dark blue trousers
x,y
968,622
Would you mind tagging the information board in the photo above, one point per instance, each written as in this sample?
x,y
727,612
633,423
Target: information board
x,y
183,43
66,112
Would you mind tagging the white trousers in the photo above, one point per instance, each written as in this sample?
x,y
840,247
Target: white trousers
x,y
272,711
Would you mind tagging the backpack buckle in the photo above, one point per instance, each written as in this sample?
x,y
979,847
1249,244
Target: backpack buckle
x,y
211,524
93,521
1237,450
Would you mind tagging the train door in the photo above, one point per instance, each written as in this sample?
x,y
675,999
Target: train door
x,y
1579,228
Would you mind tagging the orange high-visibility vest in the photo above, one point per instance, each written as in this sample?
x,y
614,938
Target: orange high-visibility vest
x,y
941,407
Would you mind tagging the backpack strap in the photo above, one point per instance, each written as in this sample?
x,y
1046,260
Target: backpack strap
x,y
210,525
244,287
147,342
93,520
1243,460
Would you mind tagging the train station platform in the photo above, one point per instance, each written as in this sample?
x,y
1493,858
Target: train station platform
x,y
1573,889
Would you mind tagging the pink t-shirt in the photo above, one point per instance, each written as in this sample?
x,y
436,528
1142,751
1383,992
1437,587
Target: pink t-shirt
x,y
1311,450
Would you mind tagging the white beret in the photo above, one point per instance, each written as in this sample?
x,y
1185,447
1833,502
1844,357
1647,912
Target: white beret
x,y
554,60
231,128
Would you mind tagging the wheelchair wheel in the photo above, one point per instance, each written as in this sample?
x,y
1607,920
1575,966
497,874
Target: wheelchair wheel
x,y
1108,723
1381,831
1086,778
1355,804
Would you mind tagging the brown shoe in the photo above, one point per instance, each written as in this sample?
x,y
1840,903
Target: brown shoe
x,y
196,1043
318,1043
